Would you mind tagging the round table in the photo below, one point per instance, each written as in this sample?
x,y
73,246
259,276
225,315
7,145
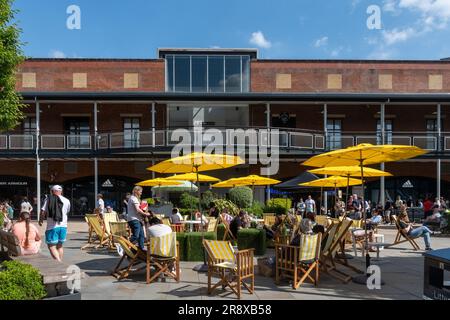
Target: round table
x,y
191,223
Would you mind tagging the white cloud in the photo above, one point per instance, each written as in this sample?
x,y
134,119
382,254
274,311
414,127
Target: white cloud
x,y
321,42
390,6
396,35
57,54
437,11
259,40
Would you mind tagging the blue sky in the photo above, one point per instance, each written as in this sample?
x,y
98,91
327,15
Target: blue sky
x,y
291,29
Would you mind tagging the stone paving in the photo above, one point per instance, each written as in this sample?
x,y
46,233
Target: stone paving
x,y
401,267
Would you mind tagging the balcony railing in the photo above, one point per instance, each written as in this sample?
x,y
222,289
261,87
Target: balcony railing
x,y
252,137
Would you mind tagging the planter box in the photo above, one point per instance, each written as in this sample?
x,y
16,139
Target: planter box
x,y
74,296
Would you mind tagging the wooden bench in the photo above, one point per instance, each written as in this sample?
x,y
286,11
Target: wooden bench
x,y
55,275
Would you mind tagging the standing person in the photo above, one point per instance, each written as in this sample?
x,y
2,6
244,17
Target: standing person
x,y
9,210
357,207
339,208
56,209
310,205
428,207
388,211
25,205
125,203
100,204
135,217
301,207
398,204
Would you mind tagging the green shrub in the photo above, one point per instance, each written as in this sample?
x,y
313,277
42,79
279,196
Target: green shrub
x,y
184,212
188,201
19,281
207,198
194,245
2,220
257,209
252,238
278,205
241,196
181,238
222,204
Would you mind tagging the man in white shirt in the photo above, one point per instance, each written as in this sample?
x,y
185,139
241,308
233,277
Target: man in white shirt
x,y
176,217
100,203
26,206
56,208
157,228
310,205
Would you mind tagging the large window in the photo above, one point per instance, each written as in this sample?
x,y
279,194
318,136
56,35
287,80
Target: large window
x,y
432,130
131,128
334,130
207,73
29,125
387,132
77,130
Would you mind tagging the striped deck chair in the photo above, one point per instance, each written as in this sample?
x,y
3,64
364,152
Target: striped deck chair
x,y
134,255
297,262
227,234
212,225
107,218
401,234
98,230
233,268
164,257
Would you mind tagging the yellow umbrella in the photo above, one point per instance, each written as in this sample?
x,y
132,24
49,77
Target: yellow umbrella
x,y
332,182
158,182
364,154
350,171
193,177
361,155
255,180
230,183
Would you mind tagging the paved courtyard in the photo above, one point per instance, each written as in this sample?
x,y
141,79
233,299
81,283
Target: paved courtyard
x,y
401,267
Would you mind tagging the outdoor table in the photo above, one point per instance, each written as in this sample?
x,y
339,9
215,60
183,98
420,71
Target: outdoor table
x,y
378,245
191,223
436,270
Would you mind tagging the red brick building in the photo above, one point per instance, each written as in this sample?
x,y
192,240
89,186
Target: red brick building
x,y
120,114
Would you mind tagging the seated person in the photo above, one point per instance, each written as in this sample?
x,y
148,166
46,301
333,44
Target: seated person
x,y
7,223
157,228
28,235
292,217
201,217
375,220
309,224
226,216
434,219
272,232
339,208
237,223
407,227
109,209
213,211
176,217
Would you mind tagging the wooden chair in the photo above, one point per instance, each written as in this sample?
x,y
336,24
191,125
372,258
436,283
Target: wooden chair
x,y
402,234
98,229
297,262
107,218
233,268
120,229
134,255
323,220
269,220
227,233
177,227
164,257
334,242
212,225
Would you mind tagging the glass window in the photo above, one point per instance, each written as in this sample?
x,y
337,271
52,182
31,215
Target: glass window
x,y
199,74
169,73
77,130
334,129
183,73
216,73
131,132
387,130
29,125
233,74
245,73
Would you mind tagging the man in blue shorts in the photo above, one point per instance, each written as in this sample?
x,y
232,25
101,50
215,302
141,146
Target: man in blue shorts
x,y
56,208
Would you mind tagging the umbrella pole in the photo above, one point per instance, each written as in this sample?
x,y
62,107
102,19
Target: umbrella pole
x,y
203,267
346,194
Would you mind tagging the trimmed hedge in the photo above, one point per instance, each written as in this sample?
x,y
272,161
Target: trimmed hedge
x,y
191,247
252,238
20,281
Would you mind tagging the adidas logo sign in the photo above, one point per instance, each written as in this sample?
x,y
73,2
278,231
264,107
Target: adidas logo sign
x,y
408,184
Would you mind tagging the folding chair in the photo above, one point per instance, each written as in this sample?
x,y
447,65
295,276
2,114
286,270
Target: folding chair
x,y
227,232
107,218
164,257
99,230
118,229
402,234
269,219
177,227
212,225
322,220
297,262
233,268
134,254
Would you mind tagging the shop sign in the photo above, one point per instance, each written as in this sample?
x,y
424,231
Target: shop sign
x,y
107,184
408,184
13,183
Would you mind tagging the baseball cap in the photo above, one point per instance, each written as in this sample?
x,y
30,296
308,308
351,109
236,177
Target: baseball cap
x,y
56,187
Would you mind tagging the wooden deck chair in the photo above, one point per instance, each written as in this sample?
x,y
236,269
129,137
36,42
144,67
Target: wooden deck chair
x,y
212,225
269,219
322,220
227,233
107,218
89,229
177,227
333,244
297,262
164,257
401,234
233,268
120,229
166,221
99,230
134,255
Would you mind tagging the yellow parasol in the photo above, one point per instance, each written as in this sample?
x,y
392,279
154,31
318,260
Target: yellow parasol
x,y
193,177
350,171
332,182
230,183
158,182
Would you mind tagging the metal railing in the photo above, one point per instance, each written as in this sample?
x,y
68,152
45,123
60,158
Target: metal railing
x,y
283,138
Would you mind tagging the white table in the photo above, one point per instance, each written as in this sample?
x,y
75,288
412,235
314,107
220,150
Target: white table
x,y
191,223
